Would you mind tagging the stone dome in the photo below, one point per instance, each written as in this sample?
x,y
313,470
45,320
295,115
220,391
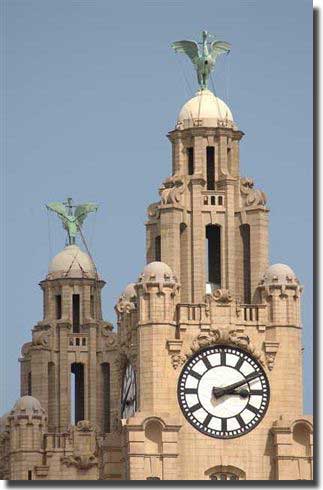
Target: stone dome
x,y
157,272
129,292
27,404
71,262
279,274
207,108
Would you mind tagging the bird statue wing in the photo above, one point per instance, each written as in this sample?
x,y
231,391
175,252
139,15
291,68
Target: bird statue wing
x,y
59,209
219,47
190,48
83,210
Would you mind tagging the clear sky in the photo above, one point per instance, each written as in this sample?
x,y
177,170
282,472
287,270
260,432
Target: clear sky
x,y
92,88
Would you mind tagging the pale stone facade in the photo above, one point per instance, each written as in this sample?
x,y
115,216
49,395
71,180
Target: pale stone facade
x,y
189,297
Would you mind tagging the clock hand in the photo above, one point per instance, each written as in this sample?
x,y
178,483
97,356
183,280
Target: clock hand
x,y
218,392
125,399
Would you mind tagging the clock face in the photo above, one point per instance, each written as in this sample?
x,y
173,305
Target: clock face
x,y
129,393
223,392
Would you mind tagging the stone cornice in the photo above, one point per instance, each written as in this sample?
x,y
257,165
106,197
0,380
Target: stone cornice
x,y
205,131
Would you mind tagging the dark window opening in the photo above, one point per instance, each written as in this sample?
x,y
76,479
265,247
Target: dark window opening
x,y
76,313
29,384
92,306
58,306
220,200
77,370
245,235
158,248
213,236
30,475
106,396
213,200
210,168
152,478
190,160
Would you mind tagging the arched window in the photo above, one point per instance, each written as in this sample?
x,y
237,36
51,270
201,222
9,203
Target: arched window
x,y
77,392
245,236
225,473
105,367
301,440
213,262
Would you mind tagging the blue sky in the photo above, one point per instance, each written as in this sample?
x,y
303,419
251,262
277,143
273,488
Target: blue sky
x,y
91,90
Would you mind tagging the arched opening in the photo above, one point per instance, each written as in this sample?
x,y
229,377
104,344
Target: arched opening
x,y
213,262
158,248
246,265
51,387
225,473
190,160
77,392
105,368
153,438
76,313
29,384
210,168
302,440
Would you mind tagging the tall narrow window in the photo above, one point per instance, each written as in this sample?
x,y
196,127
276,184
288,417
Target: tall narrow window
x,y
77,391
213,237
51,395
29,384
245,236
30,475
92,309
158,248
106,396
58,306
190,160
210,168
76,313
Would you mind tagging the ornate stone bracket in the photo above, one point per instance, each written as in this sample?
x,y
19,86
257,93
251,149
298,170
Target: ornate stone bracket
x,y
270,348
81,461
85,426
218,336
41,336
252,197
222,296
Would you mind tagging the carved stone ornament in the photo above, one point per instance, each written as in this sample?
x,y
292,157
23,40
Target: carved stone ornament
x,y
222,296
171,190
83,461
85,426
252,197
106,328
271,349
153,210
41,336
124,306
219,336
25,350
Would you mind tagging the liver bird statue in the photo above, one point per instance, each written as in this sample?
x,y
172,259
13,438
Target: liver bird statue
x,y
203,58
72,222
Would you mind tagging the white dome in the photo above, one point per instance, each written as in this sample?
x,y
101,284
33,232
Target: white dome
x,y
206,108
71,262
27,404
279,274
157,272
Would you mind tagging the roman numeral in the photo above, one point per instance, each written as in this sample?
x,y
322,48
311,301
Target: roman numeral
x,y
223,358
207,363
239,363
195,375
207,419
255,392
252,408
195,407
224,425
240,420
190,391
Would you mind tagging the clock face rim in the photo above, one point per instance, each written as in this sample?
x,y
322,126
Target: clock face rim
x,y
134,379
202,428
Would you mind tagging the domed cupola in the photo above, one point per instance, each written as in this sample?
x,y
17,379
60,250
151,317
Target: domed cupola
x,y
71,262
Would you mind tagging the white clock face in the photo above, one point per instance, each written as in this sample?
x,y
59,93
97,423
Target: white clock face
x,y
223,392
129,394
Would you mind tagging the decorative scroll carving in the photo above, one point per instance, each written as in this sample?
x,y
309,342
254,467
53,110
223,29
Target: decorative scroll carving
x,y
153,210
252,197
222,296
270,348
41,336
218,336
25,350
106,329
85,426
171,190
81,461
